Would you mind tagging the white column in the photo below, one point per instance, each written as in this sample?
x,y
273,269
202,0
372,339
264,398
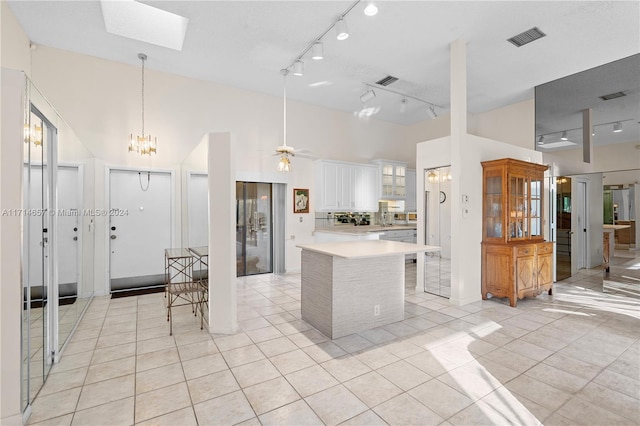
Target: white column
x,y
587,129
460,261
10,246
223,316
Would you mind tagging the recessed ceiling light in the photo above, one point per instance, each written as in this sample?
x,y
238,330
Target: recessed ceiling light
x,y
138,21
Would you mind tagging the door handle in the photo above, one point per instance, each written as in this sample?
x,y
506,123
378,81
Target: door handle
x,y
113,237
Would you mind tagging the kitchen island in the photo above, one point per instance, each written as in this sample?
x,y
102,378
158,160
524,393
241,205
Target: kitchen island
x,y
351,286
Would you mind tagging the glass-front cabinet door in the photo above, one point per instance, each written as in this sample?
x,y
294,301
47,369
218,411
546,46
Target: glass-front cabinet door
x,y
493,205
517,202
512,201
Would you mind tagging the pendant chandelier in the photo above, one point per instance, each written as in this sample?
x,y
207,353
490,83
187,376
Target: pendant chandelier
x,y
142,144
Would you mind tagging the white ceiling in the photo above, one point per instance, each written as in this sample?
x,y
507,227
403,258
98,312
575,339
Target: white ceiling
x,y
246,43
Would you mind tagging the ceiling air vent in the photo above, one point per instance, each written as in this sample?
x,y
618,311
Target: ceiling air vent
x,y
526,37
612,96
387,80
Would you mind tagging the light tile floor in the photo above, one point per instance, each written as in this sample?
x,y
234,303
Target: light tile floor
x,y
569,359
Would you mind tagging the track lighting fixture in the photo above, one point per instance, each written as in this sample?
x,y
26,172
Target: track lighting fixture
x,y
617,127
370,8
564,136
541,140
317,51
341,29
367,96
316,47
404,100
403,105
298,68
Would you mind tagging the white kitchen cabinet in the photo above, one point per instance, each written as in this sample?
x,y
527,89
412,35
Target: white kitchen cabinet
x,y
344,186
366,185
393,179
410,203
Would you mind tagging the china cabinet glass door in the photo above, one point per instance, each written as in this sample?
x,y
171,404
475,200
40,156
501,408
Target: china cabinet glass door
x,y
493,205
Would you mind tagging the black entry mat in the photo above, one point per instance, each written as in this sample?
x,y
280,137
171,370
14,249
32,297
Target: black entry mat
x,y
137,292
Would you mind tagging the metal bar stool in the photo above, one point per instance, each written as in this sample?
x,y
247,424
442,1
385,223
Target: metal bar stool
x,y
181,289
201,275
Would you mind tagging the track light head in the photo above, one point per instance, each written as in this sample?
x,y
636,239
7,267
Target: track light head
x,y
431,112
341,30
617,127
317,51
403,105
541,140
367,96
370,9
564,136
298,68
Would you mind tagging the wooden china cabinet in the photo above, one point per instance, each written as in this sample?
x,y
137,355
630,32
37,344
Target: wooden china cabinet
x,y
516,261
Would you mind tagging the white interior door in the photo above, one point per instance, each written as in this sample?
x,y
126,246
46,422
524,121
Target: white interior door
x,y
578,226
68,232
139,227
198,210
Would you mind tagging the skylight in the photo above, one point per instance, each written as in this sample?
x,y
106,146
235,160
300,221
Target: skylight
x,y
131,19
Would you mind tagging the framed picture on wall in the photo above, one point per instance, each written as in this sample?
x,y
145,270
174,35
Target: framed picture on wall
x,y
300,200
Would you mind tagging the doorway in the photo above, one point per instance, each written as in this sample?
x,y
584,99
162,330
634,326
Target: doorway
x,y
437,208
140,223
40,303
563,230
254,241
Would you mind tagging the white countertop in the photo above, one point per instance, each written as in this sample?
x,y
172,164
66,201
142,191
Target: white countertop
x,y
371,248
364,229
616,227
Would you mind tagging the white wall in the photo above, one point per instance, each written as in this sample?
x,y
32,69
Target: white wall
x,y
513,124
14,43
11,172
622,156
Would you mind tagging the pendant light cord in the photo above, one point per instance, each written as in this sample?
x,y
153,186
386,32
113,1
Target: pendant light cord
x,y
284,102
143,58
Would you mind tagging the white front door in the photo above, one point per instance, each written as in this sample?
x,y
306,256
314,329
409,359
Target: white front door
x,y
139,227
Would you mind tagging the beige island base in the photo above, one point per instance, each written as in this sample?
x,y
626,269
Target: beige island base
x,y
352,286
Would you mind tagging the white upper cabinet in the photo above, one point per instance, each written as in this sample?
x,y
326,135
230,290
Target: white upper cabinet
x,y
346,186
393,179
410,203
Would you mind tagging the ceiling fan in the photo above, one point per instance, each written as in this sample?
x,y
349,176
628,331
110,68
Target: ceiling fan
x,y
285,151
